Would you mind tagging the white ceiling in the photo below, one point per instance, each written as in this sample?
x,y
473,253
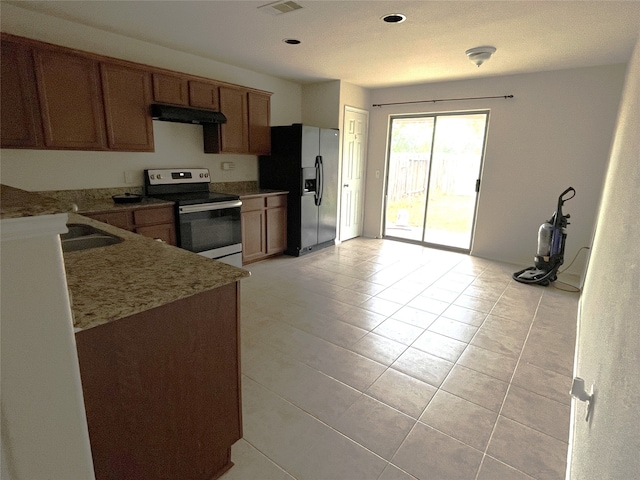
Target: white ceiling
x,y
347,40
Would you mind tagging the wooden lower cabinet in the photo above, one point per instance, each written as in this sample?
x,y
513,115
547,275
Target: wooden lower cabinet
x,y
162,389
264,226
120,219
157,223
253,240
154,222
165,233
276,220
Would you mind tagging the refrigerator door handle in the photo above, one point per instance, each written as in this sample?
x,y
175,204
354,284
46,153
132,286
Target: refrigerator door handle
x,y
317,195
320,179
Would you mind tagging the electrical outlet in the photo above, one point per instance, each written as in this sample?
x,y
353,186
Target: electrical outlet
x,y
377,173
129,177
228,166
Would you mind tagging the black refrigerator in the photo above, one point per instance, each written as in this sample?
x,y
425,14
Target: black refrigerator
x,y
304,161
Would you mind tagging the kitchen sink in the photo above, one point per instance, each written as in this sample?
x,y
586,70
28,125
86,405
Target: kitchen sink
x,y
84,237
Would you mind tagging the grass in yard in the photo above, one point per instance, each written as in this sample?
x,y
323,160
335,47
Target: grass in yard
x,y
450,213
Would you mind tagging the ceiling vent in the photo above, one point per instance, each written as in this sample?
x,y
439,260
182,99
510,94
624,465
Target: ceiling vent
x,y
278,8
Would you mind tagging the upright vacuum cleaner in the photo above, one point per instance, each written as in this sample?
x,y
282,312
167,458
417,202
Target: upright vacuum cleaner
x,y
550,255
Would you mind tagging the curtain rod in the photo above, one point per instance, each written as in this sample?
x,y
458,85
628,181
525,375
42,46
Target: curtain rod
x,y
440,100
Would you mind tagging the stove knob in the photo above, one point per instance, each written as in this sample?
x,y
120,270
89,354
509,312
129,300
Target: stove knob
x,y
206,175
159,177
202,175
152,176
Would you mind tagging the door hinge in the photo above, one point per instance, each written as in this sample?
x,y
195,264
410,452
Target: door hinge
x,y
478,186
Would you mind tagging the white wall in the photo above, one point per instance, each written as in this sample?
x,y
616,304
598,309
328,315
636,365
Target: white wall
x,y
176,145
353,96
556,132
608,348
321,104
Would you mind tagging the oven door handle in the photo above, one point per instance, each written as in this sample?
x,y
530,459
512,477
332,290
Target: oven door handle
x,y
207,207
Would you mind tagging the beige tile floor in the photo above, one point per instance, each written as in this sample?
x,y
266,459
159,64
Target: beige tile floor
x,y
382,360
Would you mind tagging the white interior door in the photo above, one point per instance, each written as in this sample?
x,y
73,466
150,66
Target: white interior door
x,y
354,143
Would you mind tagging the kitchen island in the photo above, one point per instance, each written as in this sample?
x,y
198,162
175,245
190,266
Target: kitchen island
x,y
110,283
157,333
157,338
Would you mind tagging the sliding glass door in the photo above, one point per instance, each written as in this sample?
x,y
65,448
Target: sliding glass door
x,y
434,165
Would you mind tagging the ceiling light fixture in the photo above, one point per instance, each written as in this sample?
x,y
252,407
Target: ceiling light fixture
x,y
394,18
479,55
291,41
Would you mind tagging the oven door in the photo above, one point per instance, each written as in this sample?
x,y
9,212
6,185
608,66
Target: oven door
x,y
213,230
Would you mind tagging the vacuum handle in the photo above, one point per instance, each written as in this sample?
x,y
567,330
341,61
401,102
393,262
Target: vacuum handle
x,y
559,218
570,189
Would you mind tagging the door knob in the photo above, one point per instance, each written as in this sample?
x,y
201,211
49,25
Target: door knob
x,y
345,185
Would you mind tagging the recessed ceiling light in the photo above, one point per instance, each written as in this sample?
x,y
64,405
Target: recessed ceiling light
x,y
291,41
394,18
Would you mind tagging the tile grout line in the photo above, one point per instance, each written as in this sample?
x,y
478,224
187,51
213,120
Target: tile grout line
x,y
508,389
406,347
439,387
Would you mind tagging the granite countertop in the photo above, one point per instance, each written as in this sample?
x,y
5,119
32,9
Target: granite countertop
x,y
108,205
139,274
109,283
262,192
99,199
18,203
256,192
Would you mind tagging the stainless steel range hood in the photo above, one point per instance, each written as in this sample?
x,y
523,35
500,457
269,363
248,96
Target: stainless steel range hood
x,y
172,113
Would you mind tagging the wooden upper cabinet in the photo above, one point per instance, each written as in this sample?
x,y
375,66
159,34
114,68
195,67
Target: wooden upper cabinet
x,y
171,89
127,96
21,125
259,123
70,100
58,98
204,95
234,135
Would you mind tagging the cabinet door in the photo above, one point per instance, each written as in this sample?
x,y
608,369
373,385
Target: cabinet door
x,y
20,122
234,135
117,219
127,96
170,89
254,244
153,216
259,123
166,232
162,389
276,230
204,95
70,100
